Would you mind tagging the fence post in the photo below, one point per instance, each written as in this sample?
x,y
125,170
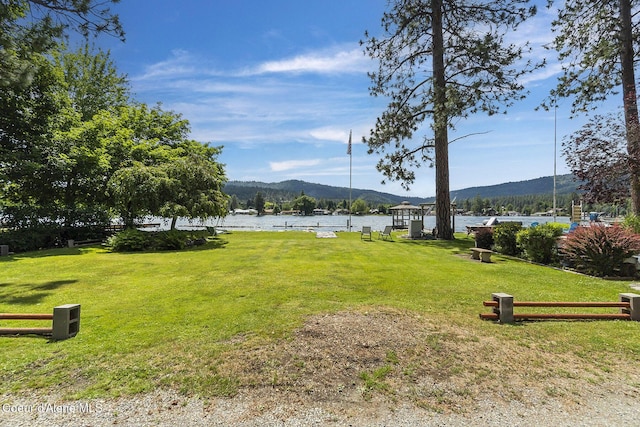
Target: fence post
x,y
505,307
634,302
66,321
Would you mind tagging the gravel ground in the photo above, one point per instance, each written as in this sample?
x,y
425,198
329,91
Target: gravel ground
x,y
434,375
169,409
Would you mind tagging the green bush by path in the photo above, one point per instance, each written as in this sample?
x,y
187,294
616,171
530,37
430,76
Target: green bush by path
x,y
166,319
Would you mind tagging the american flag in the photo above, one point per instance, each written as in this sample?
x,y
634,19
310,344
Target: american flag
x,y
349,146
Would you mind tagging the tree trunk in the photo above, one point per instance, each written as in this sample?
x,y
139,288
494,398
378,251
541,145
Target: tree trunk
x,y
174,220
630,102
440,120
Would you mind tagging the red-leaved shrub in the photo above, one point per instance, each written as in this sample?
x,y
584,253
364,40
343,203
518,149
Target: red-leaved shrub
x,y
600,250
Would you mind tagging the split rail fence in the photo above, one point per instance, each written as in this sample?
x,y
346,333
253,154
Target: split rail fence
x,y
65,322
503,309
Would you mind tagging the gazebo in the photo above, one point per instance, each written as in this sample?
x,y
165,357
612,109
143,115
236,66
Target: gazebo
x,y
404,213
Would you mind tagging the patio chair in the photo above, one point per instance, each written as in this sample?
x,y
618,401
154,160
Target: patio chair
x,y
386,233
366,232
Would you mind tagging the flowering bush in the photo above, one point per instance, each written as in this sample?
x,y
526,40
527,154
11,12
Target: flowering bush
x,y
600,250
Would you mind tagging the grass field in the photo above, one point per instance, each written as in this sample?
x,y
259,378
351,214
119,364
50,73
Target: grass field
x,y
175,319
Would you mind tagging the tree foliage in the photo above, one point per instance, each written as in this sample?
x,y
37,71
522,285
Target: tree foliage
x,y
195,185
305,204
360,207
27,124
598,157
32,27
588,39
92,81
442,61
75,150
598,43
259,203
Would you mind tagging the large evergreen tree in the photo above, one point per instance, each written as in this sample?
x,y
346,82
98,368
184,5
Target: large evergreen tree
x,y
440,60
598,42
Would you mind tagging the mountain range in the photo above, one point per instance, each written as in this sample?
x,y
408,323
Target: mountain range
x,y
289,190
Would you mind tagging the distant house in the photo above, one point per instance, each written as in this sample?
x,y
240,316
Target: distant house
x,y
245,212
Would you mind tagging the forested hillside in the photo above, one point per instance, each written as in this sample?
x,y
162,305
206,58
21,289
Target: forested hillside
x,y
523,196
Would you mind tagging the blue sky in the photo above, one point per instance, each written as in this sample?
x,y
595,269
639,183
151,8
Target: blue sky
x,y
279,84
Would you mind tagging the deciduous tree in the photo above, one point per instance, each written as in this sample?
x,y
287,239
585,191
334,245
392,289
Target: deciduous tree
x,y
32,27
195,184
598,157
304,204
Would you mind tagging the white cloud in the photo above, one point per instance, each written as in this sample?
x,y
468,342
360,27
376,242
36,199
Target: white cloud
x,y
322,62
293,164
330,134
178,64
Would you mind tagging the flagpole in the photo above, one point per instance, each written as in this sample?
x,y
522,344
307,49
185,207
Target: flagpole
x,y
350,168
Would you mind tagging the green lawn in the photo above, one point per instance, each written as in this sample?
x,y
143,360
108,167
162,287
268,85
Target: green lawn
x,y
168,319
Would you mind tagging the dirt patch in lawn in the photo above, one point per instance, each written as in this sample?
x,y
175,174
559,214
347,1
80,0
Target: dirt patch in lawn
x,y
349,361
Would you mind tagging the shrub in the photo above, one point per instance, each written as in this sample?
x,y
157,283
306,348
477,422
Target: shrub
x,y
171,240
131,240
539,243
32,238
600,250
504,236
484,238
632,222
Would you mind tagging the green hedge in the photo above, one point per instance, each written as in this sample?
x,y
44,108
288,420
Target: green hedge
x,y
133,240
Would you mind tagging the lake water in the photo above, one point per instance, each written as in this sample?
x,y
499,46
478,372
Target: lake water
x,y
339,222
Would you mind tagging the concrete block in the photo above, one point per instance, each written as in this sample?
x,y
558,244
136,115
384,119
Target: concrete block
x,y
634,301
66,321
505,307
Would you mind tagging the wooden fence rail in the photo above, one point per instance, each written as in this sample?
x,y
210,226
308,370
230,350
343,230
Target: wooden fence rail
x,y
65,322
503,309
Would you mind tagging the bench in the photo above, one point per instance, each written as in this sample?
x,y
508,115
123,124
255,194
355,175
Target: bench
x,y
65,322
484,255
503,309
77,243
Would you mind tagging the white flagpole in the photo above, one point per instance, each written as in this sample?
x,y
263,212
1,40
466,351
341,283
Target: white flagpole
x,y
350,166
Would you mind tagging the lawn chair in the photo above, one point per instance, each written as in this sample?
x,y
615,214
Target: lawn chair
x,y
386,233
366,232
